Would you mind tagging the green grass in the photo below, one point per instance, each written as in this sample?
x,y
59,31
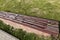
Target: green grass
x,y
49,9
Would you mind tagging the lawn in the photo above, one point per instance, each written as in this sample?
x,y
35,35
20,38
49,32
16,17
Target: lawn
x,y
39,8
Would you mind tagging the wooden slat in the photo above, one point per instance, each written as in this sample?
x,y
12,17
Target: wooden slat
x,y
45,25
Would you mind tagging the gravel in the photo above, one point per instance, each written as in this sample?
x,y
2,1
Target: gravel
x,y
6,36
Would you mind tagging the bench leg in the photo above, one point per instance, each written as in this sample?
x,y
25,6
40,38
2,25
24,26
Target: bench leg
x,y
59,32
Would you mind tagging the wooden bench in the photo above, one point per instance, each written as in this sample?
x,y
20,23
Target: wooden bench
x,y
45,25
41,24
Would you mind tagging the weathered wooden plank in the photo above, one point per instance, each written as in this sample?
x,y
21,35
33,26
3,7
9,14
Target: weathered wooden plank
x,y
45,25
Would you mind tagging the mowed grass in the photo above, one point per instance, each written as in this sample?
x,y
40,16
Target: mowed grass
x,y
49,9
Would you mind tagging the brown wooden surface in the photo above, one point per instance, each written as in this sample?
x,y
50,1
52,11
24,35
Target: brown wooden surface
x,y
44,25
